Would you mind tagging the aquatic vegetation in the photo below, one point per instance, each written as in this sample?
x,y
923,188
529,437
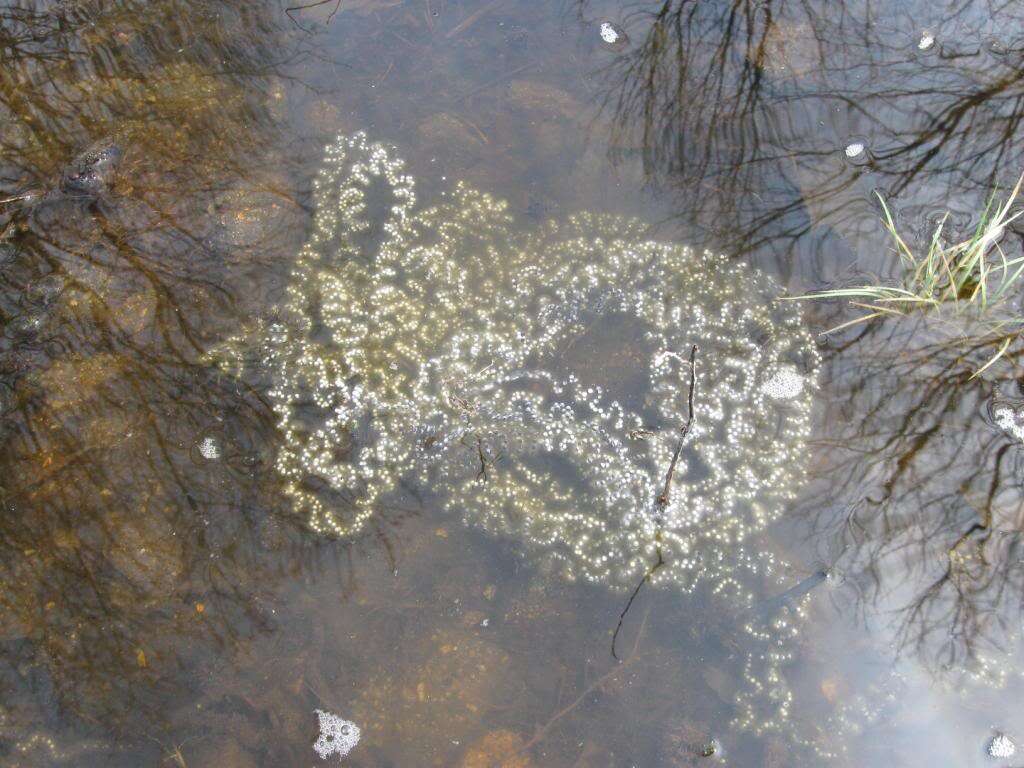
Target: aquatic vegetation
x,y
628,409
972,278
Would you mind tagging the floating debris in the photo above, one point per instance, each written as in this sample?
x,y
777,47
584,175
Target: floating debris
x,y
26,327
612,35
926,42
1009,417
711,749
93,171
337,735
1001,746
854,149
785,384
209,448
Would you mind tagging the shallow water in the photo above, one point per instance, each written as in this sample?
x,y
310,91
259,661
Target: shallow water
x,y
520,590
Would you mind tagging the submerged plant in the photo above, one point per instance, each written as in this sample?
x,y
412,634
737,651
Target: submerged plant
x,y
972,279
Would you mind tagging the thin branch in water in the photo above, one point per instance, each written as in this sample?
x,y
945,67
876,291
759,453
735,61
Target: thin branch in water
x,y
632,597
22,196
542,731
472,19
482,474
288,11
664,498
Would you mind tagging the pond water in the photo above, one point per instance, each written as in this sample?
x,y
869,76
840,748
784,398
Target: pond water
x,y
396,383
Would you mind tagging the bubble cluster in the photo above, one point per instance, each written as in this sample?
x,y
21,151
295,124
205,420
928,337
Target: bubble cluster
x,y
1001,746
610,33
337,735
785,383
1009,417
537,384
209,448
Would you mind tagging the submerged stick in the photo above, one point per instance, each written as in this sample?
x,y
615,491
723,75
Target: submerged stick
x,y
664,497
291,9
611,673
632,597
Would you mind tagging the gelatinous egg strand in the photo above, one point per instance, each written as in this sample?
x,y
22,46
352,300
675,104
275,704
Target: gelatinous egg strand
x,y
443,340
536,384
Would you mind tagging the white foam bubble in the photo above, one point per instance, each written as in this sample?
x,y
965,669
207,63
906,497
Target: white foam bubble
x,y
1010,420
785,384
338,736
1001,745
855,149
209,448
609,33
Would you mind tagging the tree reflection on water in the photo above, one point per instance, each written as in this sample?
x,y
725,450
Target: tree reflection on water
x,y
742,111
126,549
141,532
933,537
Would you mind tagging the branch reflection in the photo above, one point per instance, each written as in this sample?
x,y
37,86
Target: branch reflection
x,y
146,186
772,124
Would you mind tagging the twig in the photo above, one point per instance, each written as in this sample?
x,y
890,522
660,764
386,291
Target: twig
x,y
632,597
318,3
483,461
387,72
663,499
16,198
175,754
495,81
588,690
471,19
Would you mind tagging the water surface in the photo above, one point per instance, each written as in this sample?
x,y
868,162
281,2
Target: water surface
x,y
166,601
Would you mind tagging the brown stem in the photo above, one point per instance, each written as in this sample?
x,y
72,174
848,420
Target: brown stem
x,y
288,11
482,474
664,498
587,691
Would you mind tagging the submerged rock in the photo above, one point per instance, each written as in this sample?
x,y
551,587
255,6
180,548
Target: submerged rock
x,y
221,751
45,290
70,381
147,553
788,49
8,252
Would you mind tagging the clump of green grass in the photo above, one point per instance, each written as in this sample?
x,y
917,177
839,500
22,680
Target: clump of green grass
x,y
973,276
